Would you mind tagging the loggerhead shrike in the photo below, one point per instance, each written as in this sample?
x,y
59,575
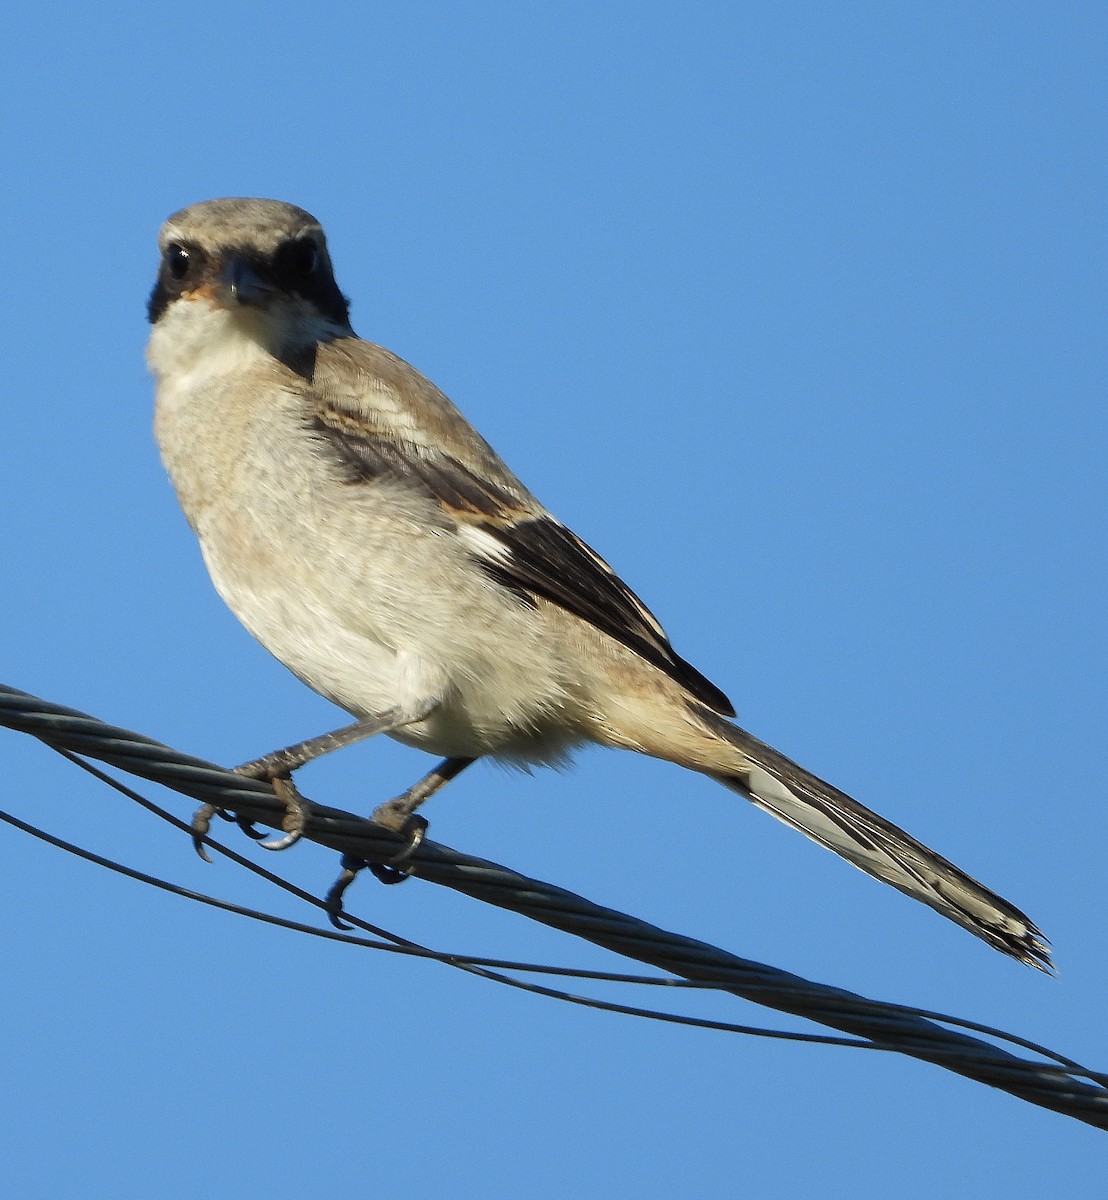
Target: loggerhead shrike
x,y
370,539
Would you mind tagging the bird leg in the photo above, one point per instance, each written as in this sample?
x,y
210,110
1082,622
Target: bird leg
x,y
277,769
398,814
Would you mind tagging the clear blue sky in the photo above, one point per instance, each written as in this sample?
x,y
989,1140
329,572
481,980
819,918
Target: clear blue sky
x,y
796,313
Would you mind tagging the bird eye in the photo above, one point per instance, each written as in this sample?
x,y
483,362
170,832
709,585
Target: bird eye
x,y
297,261
178,260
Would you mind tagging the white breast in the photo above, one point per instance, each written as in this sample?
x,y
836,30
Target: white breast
x,y
363,591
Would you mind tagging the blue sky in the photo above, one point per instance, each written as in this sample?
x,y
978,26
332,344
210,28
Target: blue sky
x,y
796,313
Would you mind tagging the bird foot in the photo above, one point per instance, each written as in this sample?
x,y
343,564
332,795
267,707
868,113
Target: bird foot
x,y
297,807
394,815
397,815
201,826
202,823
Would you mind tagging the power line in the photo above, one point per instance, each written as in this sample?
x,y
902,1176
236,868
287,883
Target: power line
x,y
1060,1088
495,970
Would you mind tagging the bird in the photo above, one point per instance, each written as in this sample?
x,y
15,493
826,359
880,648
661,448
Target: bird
x,y
367,536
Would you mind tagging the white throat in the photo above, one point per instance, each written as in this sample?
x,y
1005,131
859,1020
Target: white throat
x,y
195,338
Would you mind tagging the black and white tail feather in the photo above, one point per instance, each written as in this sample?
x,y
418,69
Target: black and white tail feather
x,y
878,847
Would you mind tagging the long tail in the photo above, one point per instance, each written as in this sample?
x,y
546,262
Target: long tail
x,y
833,819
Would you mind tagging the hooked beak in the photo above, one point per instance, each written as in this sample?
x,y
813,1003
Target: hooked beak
x,y
242,285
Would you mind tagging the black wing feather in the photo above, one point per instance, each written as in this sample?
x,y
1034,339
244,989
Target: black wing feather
x,y
549,560
542,558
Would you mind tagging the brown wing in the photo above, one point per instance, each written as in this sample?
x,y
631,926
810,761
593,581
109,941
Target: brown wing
x,y
373,433
546,559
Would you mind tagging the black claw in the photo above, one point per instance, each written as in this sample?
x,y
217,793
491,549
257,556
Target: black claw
x,y
387,874
249,828
339,923
201,823
283,843
333,900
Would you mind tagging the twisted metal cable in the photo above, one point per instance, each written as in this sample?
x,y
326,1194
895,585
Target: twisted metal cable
x,y
1063,1089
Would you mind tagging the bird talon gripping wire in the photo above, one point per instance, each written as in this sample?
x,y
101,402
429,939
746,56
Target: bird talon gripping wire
x,y
296,813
